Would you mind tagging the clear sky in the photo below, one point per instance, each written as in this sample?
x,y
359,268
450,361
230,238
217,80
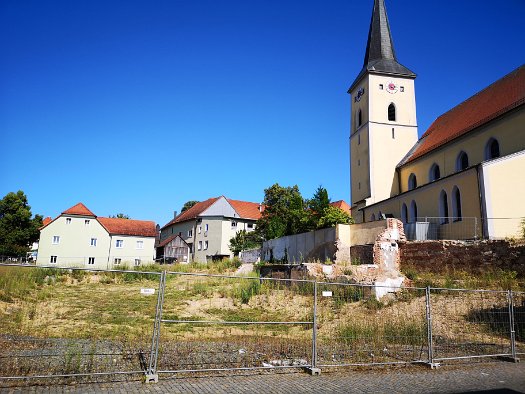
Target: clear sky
x,y
138,106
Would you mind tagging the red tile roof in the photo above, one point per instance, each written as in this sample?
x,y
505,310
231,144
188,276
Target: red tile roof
x,y
46,221
193,212
79,209
141,228
502,96
341,204
245,209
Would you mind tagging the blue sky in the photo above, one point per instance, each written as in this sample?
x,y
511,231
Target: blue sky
x,y
138,106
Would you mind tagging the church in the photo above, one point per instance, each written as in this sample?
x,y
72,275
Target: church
x,y
465,176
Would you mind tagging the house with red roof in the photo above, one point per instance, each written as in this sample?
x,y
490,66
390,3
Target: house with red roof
x,y
79,238
208,227
464,176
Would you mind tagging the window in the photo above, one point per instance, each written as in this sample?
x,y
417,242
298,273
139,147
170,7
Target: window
x,y
358,139
492,149
137,262
381,86
412,182
68,220
53,260
456,204
86,222
392,112
413,212
117,261
404,213
359,118
190,233
234,224
434,173
373,217
462,161
358,162
93,242
140,244
401,89
199,229
205,245
56,239
180,233
206,227
200,246
393,134
359,185
91,260
443,207
250,225
119,243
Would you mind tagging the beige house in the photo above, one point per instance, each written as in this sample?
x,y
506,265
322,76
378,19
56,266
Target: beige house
x,y
208,226
79,238
462,179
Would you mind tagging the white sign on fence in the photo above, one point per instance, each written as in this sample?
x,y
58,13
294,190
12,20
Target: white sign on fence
x,y
147,291
327,293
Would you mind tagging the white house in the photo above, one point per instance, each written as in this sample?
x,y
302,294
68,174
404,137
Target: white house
x,y
79,238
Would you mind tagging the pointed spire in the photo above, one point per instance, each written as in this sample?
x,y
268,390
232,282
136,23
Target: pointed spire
x,y
380,56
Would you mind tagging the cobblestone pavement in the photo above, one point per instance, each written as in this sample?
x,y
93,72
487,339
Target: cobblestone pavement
x,y
497,377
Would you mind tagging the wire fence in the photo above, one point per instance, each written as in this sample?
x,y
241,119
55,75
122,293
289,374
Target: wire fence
x,y
86,324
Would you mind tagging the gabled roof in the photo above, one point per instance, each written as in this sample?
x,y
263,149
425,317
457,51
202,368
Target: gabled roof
x,y
117,226
79,209
380,56
341,204
245,209
495,100
166,241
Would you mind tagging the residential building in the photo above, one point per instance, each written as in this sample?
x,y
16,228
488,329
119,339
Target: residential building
x,y
459,173
208,226
79,238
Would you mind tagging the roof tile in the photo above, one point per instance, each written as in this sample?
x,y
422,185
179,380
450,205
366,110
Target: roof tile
x,y
79,209
142,228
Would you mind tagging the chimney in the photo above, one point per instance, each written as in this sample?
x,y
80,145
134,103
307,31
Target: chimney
x,y
174,214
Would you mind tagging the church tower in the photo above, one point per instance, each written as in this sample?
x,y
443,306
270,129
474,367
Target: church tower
x,y
383,117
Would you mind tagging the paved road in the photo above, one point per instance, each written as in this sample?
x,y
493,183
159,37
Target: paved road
x,y
497,377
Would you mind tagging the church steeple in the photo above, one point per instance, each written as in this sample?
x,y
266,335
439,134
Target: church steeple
x,y
380,56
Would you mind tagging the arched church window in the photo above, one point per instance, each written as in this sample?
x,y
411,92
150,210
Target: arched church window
x,y
456,204
443,207
404,213
462,161
434,173
412,182
392,112
413,212
492,149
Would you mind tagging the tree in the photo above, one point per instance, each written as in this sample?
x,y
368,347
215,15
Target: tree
x,y
332,216
284,212
317,206
18,229
120,216
244,240
188,204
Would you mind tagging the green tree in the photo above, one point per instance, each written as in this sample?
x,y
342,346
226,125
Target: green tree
x,y
188,204
18,229
244,240
284,212
332,216
120,216
317,205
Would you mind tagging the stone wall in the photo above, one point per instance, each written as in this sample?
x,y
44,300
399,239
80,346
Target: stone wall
x,y
462,255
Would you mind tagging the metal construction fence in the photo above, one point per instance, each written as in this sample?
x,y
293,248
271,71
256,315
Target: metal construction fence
x,y
87,323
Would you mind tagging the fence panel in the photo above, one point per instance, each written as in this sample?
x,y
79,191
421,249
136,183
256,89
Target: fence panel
x,y
519,321
355,328
75,322
214,322
470,323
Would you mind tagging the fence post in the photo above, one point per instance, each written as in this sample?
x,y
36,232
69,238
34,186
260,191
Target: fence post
x,y
313,369
512,330
430,343
151,373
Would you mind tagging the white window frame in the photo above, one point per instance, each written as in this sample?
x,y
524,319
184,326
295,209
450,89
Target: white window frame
x,y
250,225
199,246
91,261
190,233
200,229
87,222
205,245
119,243
234,224
53,259
137,262
56,239
117,261
68,220
93,242
140,245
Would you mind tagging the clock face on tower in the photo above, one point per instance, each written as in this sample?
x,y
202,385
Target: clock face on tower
x,y
391,87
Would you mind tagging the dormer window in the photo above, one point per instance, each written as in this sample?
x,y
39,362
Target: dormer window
x,y
392,112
